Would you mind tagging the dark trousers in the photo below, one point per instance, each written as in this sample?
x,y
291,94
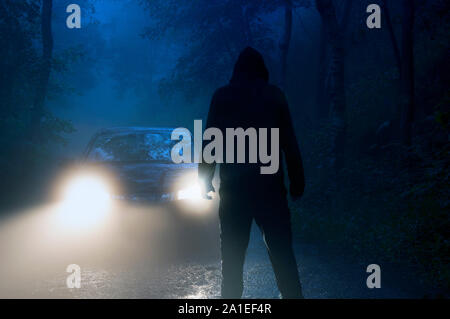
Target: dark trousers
x,y
273,218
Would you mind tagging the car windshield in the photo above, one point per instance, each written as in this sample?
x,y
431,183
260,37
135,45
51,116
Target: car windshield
x,y
132,147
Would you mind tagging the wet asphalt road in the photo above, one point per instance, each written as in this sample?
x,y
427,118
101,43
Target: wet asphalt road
x,y
153,252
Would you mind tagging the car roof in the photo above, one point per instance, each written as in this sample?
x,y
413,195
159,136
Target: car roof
x,y
132,129
125,130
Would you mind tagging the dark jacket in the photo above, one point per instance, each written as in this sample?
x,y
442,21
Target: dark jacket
x,y
250,101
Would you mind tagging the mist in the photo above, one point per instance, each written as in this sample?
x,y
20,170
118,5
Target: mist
x,y
369,104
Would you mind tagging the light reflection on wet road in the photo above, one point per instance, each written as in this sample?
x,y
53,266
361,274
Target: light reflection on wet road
x,y
152,252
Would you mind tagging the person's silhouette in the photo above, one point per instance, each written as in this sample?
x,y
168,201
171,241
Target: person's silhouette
x,y
245,194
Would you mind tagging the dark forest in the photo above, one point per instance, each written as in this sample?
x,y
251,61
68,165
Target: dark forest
x,y
370,106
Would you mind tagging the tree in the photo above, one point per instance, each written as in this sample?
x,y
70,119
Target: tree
x,y
407,71
322,94
404,58
285,41
26,60
215,32
18,25
335,36
45,68
390,28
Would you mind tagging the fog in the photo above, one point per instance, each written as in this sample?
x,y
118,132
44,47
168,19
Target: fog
x,y
115,81
369,105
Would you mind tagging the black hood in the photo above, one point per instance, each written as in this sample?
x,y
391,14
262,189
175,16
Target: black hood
x,y
250,66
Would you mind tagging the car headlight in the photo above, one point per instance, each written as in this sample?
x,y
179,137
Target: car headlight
x,y
192,192
89,190
86,199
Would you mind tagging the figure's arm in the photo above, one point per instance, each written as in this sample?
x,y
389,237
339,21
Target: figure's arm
x,y
291,150
205,170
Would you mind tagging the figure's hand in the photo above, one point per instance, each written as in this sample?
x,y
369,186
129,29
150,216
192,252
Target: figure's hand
x,y
206,190
207,196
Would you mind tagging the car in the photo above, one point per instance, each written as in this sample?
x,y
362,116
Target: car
x,y
127,174
137,161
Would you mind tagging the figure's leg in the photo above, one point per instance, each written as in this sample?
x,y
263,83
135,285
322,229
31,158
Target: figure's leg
x,y
235,225
276,228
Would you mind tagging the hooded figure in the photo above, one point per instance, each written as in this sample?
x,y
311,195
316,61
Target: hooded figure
x,y
246,195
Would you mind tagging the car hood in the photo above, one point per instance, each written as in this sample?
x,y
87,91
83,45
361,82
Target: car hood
x,y
143,179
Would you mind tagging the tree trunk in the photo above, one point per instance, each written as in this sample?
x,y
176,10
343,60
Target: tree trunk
x,y
322,94
390,28
346,15
44,75
285,42
337,92
321,90
407,71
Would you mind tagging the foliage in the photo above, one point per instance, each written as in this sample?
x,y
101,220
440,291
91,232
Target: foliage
x,y
20,58
393,201
214,32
